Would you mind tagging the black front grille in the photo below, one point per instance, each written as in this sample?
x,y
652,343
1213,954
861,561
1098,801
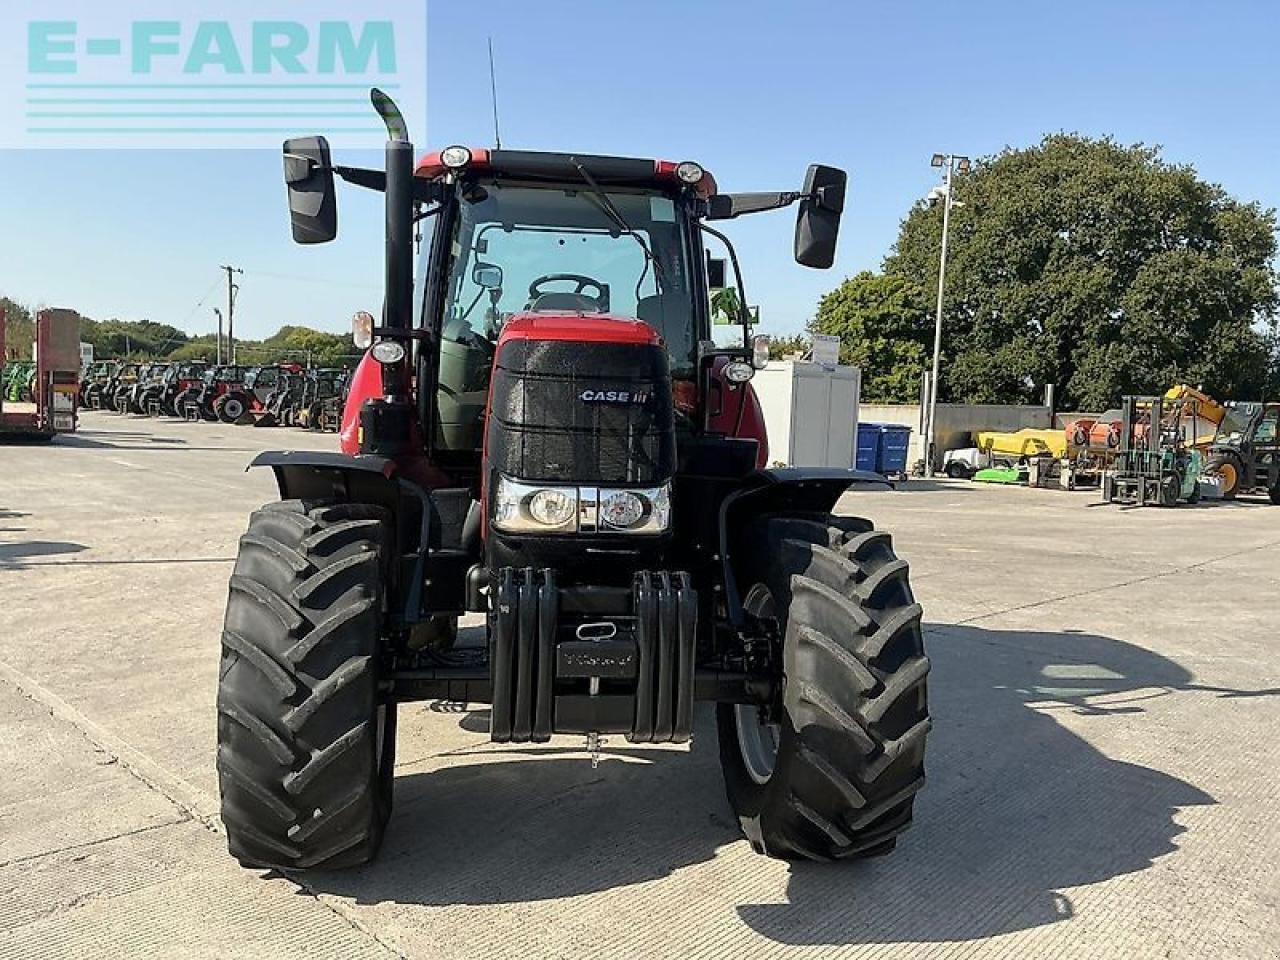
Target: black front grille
x,y
582,412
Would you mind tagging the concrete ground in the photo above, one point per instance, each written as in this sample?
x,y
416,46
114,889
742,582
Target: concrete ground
x,y
1105,766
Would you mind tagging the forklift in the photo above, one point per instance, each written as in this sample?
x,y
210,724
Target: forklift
x,y
1245,453
1158,463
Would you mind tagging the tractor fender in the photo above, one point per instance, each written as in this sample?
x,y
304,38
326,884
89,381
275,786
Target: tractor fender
x,y
814,489
421,515
322,475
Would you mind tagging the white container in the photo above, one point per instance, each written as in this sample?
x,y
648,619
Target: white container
x,y
810,412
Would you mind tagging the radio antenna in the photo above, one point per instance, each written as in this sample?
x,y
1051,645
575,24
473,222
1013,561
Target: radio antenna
x,y
493,94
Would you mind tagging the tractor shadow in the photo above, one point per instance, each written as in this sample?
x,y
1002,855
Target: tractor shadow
x,y
1018,808
14,556
136,443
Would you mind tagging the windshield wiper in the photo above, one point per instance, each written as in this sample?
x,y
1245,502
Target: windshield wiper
x,y
606,205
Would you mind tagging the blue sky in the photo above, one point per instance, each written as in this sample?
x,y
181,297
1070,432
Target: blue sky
x,y
754,91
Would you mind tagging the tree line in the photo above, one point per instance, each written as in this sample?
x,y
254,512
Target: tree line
x,y
1080,262
148,340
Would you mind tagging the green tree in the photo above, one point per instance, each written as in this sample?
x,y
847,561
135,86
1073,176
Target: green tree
x,y
782,348
885,328
1100,268
19,330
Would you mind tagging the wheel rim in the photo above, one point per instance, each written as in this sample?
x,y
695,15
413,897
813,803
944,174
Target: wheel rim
x,y
758,738
757,742
233,409
1229,477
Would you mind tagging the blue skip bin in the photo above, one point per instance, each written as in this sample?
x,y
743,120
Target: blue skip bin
x,y
868,450
883,447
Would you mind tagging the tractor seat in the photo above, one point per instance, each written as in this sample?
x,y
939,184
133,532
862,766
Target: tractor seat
x,y
561,302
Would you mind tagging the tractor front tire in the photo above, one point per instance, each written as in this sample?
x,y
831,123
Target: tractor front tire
x,y
232,407
306,743
1230,469
830,770
188,397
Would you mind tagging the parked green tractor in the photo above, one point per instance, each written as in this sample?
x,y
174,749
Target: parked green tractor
x,y
19,381
94,384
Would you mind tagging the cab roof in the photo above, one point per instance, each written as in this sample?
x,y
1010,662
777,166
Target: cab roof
x,y
562,168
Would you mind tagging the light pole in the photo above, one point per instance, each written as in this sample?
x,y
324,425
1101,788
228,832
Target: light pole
x,y
951,165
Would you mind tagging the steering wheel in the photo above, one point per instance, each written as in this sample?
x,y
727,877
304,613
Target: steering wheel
x,y
597,302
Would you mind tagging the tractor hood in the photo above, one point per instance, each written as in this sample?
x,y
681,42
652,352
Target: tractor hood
x,y
580,327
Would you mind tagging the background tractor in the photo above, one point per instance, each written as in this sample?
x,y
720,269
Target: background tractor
x,y
115,394
239,402
544,432
19,381
182,379
320,404
280,408
216,383
145,390
95,382
1245,453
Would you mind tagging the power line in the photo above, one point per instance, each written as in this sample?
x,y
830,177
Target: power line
x,y
324,280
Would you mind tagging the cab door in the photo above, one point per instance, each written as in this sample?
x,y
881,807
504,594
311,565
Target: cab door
x,y
1266,447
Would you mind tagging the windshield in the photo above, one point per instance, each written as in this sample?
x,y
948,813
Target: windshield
x,y
1236,423
555,249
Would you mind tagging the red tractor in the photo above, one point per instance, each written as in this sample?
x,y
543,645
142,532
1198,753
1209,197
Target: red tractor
x,y
216,383
543,432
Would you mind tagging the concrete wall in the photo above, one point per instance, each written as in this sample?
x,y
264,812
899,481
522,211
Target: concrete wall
x,y
957,422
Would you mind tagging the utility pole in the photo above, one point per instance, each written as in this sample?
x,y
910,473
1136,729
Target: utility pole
x,y
233,288
219,313
951,163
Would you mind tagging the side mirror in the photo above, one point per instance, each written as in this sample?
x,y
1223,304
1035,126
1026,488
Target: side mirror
x,y
818,222
717,273
313,202
487,275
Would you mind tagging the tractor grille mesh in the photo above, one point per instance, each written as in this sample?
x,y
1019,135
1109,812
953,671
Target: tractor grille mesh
x,y
541,428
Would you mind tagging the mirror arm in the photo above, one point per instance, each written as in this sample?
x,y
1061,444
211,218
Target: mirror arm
x,y
424,191
362,177
727,206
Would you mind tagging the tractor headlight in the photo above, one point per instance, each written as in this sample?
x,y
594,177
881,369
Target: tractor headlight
x,y
689,172
455,157
622,508
553,508
388,351
636,511
534,508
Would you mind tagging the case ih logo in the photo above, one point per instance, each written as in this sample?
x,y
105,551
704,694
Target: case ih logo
x,y
619,397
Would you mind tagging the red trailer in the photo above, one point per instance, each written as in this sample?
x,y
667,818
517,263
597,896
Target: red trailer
x,y
53,409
